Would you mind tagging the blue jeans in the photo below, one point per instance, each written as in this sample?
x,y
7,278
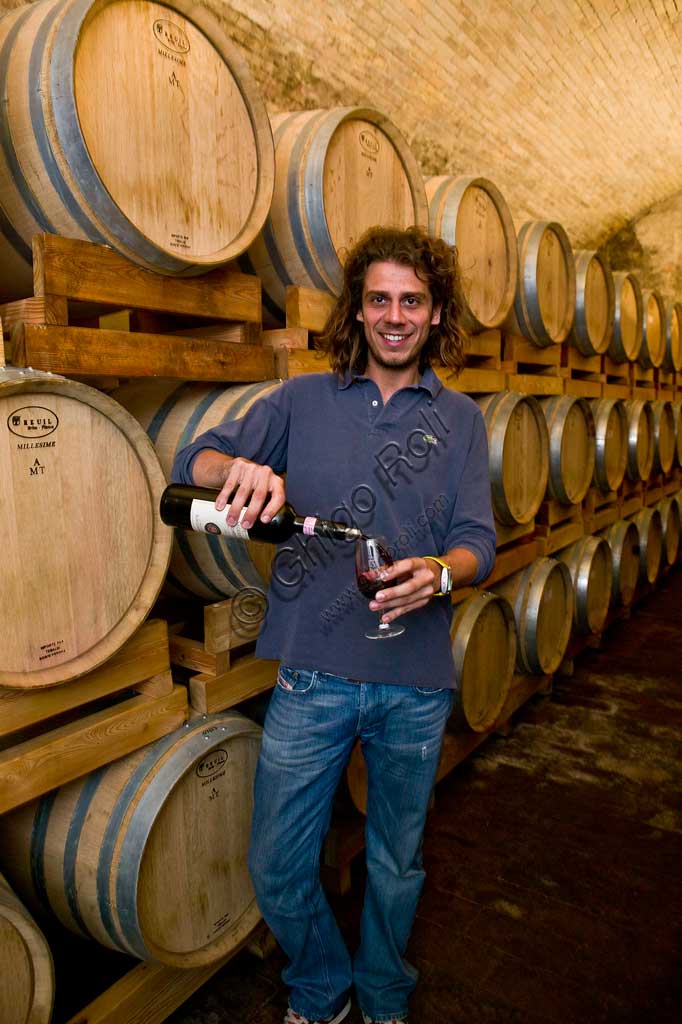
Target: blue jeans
x,y
312,723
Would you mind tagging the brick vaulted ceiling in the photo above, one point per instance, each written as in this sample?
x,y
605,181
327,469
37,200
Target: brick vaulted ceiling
x,y
573,108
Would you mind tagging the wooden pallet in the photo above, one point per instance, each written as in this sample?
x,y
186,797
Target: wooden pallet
x,y
584,375
600,509
150,992
665,384
630,497
653,490
51,736
558,525
531,369
224,671
643,383
617,379
483,373
96,315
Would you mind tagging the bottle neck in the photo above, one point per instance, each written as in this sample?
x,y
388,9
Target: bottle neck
x,y
311,526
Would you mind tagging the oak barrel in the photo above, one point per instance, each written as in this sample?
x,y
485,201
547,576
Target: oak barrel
x,y
337,173
137,125
542,598
148,854
640,438
664,436
85,551
173,414
670,524
26,968
677,418
672,356
572,451
626,339
652,350
483,640
677,499
594,303
611,442
518,454
650,526
590,565
623,540
472,214
544,302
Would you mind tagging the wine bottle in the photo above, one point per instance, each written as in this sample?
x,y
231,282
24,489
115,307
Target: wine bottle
x,y
193,508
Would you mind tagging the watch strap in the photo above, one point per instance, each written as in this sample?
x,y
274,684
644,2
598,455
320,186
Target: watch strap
x,y
445,577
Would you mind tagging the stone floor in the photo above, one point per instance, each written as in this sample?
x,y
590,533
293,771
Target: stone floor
x,y
553,856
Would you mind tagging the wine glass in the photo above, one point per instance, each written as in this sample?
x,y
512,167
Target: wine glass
x,y
371,557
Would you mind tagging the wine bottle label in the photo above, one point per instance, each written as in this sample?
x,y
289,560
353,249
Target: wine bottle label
x,y
309,526
204,518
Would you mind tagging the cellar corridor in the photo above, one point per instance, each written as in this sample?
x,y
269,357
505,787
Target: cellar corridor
x,y
553,856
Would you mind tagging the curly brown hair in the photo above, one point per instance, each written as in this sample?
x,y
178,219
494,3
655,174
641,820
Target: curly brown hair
x,y
434,262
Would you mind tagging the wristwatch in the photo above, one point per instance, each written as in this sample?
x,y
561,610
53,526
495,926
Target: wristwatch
x,y
445,576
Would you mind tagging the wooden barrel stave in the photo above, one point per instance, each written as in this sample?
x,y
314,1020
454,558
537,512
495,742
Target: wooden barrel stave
x,y
640,438
664,436
542,598
337,173
63,63
670,524
626,340
590,564
26,968
483,641
82,489
104,852
472,214
650,526
544,301
677,419
174,414
623,540
595,303
518,447
611,443
672,356
571,447
652,350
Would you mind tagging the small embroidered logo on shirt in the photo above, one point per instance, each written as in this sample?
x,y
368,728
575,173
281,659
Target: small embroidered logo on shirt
x,y
430,439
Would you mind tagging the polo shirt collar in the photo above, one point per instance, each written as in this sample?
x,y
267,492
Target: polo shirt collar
x,y
428,381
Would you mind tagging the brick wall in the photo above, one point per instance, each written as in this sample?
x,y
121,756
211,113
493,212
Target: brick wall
x,y
571,107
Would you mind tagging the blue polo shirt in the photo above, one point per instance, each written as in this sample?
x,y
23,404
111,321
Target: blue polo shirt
x,y
414,471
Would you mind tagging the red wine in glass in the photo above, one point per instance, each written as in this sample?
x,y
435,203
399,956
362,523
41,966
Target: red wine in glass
x,y
371,557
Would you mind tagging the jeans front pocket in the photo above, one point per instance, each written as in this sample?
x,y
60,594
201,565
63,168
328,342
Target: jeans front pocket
x,y
429,691
296,680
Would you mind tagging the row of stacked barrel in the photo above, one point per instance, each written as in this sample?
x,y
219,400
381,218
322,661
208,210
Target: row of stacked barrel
x,y
97,850
287,206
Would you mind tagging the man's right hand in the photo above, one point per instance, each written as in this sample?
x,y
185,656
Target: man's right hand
x,y
243,484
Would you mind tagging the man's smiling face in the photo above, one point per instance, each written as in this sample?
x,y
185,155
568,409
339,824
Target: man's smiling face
x,y
397,312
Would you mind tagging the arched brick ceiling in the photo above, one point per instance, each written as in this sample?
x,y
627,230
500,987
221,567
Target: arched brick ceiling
x,y
572,107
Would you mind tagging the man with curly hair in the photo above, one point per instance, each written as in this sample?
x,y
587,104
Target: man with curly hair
x,y
379,441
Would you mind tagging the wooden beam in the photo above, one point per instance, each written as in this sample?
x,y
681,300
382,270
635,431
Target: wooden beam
x,y
88,350
249,677
308,308
87,272
144,656
29,769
